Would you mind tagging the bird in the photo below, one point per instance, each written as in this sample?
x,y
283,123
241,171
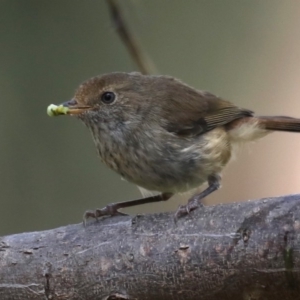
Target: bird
x,y
164,135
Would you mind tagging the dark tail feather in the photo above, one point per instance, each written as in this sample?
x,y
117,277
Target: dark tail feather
x,y
279,123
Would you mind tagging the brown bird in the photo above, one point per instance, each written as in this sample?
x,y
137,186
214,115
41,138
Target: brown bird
x,y
163,135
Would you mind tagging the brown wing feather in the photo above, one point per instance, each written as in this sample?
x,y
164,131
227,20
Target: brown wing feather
x,y
192,112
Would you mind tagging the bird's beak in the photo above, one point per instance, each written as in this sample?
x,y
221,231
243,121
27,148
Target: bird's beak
x,y
74,108
70,107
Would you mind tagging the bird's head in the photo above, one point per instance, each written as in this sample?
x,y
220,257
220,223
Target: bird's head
x,y
110,100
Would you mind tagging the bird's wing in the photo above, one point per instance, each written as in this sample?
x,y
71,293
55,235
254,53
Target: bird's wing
x,y
189,112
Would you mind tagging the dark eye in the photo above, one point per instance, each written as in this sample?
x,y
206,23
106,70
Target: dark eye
x,y
108,97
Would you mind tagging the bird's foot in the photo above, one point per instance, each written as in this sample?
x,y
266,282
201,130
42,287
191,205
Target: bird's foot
x,y
108,210
195,201
184,210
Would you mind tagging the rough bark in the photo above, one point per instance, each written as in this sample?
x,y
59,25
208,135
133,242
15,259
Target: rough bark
x,y
244,250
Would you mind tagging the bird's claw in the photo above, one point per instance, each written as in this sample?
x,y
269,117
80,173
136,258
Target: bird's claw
x,y
108,210
184,210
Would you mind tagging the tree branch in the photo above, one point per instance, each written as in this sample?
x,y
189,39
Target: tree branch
x,y
137,54
244,250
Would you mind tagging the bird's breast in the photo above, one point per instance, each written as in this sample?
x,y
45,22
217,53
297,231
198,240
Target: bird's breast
x,y
162,161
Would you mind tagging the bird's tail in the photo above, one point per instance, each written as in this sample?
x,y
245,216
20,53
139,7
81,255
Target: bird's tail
x,y
279,123
251,128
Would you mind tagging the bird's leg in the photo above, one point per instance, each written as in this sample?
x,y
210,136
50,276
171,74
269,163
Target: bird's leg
x,y
195,201
112,209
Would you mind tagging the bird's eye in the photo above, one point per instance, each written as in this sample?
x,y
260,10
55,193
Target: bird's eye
x,y
108,97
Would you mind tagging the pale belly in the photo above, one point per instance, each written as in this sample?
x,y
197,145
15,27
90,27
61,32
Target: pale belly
x,y
174,165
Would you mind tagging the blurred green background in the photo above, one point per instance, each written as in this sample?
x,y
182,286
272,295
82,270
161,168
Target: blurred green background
x,y
245,51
